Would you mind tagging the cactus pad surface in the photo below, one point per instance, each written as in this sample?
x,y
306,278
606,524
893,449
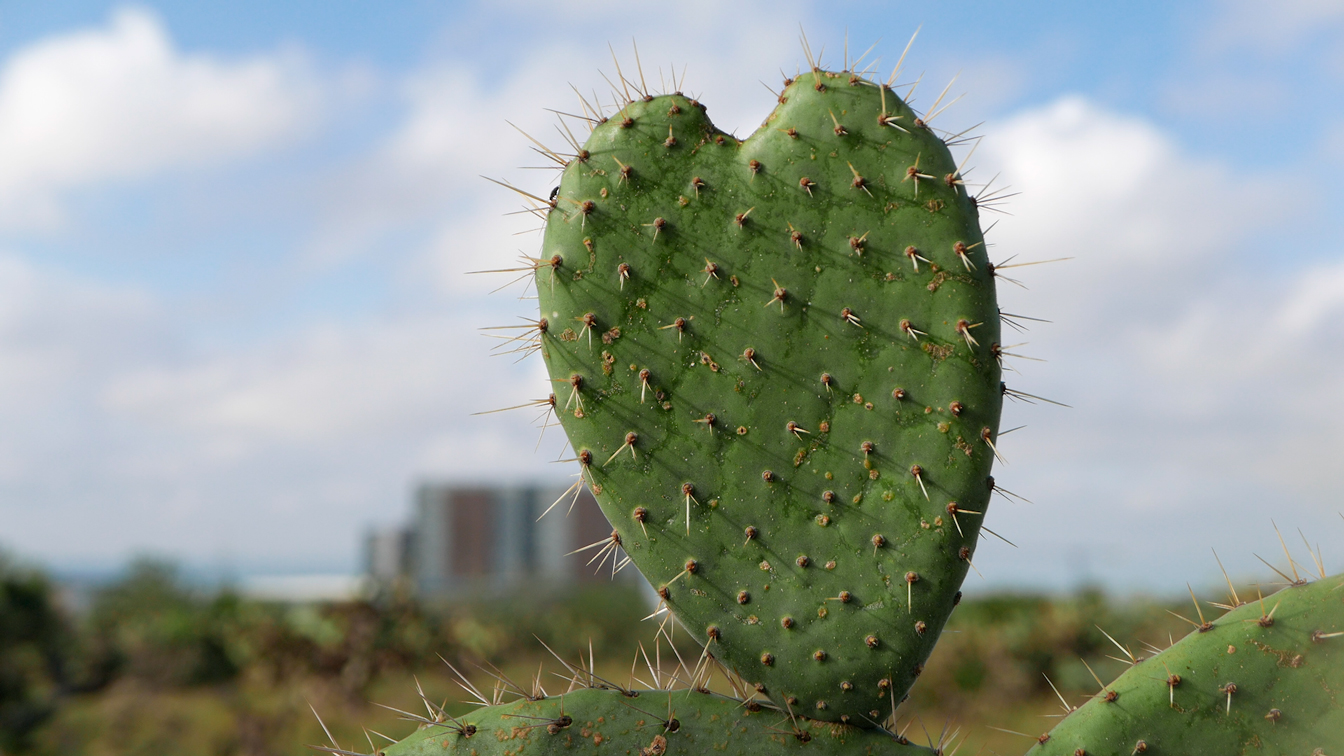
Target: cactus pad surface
x,y
651,724
777,362
1266,678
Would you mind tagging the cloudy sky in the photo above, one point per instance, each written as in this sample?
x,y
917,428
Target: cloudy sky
x,y
235,327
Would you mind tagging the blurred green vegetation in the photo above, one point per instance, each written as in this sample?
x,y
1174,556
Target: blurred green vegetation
x,y
154,667
34,645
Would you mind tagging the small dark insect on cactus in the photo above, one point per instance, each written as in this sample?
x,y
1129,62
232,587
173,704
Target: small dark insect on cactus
x,y
777,360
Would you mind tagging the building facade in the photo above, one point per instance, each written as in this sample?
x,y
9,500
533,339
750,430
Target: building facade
x,y
470,541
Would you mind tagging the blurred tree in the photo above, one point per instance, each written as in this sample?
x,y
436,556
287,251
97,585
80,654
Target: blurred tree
x,y
151,627
34,638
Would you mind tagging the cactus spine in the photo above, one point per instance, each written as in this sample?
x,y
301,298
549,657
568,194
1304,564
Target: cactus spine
x,y
776,361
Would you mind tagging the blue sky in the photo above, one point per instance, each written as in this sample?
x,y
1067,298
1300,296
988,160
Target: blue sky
x,y
235,327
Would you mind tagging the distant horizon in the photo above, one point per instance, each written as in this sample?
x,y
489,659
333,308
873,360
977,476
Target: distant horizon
x,y
212,577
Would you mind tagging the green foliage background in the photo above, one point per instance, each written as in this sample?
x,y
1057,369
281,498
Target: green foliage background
x,y
155,668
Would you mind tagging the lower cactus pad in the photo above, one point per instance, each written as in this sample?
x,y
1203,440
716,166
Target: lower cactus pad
x,y
647,723
1266,678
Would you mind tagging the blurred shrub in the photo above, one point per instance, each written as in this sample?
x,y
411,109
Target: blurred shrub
x,y
161,660
1005,647
34,641
150,627
154,660
607,616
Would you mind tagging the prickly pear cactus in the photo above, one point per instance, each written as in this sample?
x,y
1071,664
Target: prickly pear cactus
x,y
1265,678
777,361
651,724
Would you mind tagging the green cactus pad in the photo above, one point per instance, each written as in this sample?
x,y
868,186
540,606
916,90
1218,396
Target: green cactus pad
x,y
777,361
649,724
1266,678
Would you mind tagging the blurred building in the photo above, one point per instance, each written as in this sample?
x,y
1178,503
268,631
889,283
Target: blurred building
x,y
471,541
387,554
305,589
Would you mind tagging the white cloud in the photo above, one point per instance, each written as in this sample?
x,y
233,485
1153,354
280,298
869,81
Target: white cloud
x,y
1091,178
121,103
1320,294
1197,349
324,385
1272,27
232,446
1241,62
457,113
1204,370
56,331
54,327
203,447
123,435
418,375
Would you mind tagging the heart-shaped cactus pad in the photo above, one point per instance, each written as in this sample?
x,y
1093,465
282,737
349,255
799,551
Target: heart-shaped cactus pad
x,y
777,361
